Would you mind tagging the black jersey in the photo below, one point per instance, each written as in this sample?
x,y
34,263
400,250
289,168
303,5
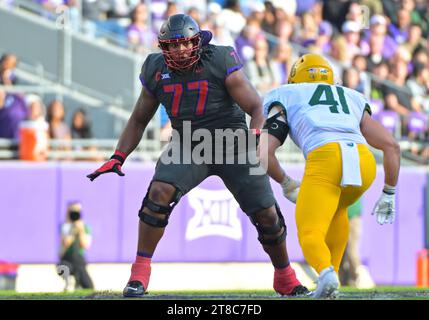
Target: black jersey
x,y
199,95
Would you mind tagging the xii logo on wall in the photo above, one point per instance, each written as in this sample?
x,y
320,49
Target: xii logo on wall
x,y
215,214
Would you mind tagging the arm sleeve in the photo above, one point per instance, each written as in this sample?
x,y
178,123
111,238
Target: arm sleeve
x,y
361,102
276,124
367,108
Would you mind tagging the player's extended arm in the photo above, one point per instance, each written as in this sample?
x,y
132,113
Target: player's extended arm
x,y
274,139
378,137
143,112
242,91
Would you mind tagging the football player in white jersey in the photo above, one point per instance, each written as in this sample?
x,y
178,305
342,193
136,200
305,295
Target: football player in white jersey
x,y
332,125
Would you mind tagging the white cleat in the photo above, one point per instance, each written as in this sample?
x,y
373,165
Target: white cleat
x,y
327,285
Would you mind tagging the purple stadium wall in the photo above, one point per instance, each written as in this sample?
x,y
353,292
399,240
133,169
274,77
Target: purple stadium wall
x,y
206,225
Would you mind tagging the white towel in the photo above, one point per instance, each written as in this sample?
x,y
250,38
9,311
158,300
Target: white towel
x,y
351,164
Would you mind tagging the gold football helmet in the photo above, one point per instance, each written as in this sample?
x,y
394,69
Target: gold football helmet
x,y
311,68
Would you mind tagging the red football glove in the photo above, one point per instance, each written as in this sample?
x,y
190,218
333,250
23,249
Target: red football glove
x,y
113,165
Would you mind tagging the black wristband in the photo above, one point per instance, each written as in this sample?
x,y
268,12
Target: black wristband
x,y
389,190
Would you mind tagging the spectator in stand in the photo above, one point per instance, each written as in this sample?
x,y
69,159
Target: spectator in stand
x,y
398,97
157,12
92,11
221,35
305,6
198,5
402,55
360,64
285,7
419,14
36,108
81,129
257,11
269,21
414,40
58,129
232,17
213,11
8,64
378,88
34,138
421,56
322,44
245,41
281,13
81,126
260,69
12,111
377,44
390,8
121,8
308,30
340,54
283,29
316,11
172,9
355,14
351,79
335,12
418,83
399,30
141,37
282,62
195,14
351,31
376,50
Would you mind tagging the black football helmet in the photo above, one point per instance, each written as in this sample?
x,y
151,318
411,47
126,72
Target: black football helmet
x,y
180,28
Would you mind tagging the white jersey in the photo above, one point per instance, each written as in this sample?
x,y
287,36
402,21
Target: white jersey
x,y
319,113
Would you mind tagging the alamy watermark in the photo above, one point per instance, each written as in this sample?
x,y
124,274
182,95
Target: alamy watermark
x,y
62,20
64,272
218,146
365,17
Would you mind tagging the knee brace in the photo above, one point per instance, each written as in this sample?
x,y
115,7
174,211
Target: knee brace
x,y
157,208
264,231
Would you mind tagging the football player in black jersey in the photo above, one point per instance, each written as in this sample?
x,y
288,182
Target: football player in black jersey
x,y
204,85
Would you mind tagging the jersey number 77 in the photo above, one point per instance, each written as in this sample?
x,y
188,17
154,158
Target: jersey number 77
x,y
177,89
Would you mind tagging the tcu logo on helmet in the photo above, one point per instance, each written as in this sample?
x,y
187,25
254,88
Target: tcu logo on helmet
x,y
215,215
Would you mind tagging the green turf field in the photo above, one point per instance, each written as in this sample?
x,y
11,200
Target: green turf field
x,y
379,293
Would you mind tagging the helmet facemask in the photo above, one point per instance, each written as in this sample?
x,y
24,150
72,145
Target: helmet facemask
x,y
183,59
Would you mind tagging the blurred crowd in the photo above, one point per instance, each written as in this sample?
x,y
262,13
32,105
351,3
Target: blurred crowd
x,y
18,111
378,47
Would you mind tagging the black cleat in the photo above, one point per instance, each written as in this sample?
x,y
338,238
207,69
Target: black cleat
x,y
134,289
299,291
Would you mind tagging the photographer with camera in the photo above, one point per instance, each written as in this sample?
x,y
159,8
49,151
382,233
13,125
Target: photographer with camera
x,y
75,240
